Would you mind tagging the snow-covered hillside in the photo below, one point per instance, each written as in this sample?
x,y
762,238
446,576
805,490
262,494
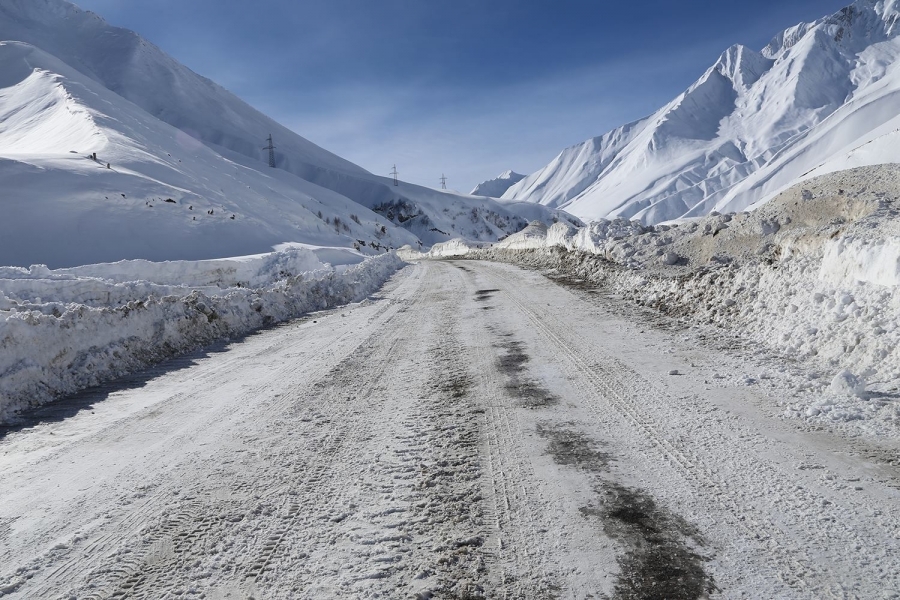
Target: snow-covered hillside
x,y
820,97
180,172
495,188
163,195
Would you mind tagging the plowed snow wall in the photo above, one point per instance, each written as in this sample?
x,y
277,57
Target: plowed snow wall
x,y
44,356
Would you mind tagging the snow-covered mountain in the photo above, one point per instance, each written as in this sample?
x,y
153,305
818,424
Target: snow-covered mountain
x,y
820,97
180,170
495,188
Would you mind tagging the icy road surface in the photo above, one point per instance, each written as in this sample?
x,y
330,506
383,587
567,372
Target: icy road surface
x,y
474,431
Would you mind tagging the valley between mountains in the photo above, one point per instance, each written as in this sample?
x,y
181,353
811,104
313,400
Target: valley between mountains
x,y
446,439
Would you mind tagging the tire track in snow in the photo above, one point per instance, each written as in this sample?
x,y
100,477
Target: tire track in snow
x,y
147,557
604,376
318,489
183,536
395,511
523,565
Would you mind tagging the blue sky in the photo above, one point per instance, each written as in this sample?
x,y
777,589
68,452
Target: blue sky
x,y
469,88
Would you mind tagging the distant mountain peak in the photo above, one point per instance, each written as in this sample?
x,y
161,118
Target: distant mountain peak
x,y
495,188
742,65
864,20
820,95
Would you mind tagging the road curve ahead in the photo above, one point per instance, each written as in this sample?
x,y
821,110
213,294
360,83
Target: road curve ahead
x,y
476,430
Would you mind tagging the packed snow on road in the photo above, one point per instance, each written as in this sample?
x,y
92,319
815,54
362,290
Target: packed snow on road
x,y
473,429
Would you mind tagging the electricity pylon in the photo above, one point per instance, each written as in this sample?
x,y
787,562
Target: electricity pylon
x,y
271,149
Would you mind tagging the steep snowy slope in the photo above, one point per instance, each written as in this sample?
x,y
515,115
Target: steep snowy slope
x,y
751,126
140,72
169,133
164,195
495,188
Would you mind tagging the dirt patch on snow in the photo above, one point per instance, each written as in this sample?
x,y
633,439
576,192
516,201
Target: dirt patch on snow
x,y
524,390
482,295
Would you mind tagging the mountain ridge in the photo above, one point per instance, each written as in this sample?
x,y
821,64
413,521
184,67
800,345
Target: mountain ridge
x,y
735,137
494,188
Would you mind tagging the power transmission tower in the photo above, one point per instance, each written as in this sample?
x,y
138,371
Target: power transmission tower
x,y
395,174
443,182
271,149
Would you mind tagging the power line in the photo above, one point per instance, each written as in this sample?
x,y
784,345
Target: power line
x,y
395,173
271,149
443,182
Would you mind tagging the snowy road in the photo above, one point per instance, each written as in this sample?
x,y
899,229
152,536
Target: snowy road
x,y
476,430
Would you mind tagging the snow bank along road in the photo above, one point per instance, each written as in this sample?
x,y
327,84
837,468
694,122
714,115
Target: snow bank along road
x,y
476,430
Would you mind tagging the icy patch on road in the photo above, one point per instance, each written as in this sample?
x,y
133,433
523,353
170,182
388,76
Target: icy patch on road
x,y
68,329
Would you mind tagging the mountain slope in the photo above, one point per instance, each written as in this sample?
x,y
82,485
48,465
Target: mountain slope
x,y
73,85
164,195
752,125
135,69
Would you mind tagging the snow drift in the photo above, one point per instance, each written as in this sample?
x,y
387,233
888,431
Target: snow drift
x,y
64,330
821,97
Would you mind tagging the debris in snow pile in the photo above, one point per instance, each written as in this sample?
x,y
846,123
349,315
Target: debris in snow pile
x,y
454,247
600,237
64,330
535,233
812,275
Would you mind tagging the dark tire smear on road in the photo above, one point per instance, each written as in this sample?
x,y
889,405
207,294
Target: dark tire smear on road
x,y
662,559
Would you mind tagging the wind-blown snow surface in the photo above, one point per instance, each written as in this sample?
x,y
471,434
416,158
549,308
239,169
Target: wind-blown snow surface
x,y
187,176
495,188
67,329
812,275
821,97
